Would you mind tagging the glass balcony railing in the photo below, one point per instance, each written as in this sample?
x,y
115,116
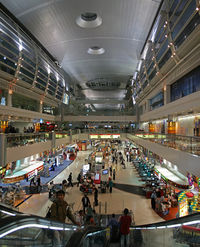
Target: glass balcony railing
x,y
23,139
190,144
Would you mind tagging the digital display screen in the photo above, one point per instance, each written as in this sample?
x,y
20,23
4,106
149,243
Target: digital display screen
x,y
104,172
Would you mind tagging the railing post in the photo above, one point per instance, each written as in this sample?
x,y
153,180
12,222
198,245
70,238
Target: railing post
x,y
3,145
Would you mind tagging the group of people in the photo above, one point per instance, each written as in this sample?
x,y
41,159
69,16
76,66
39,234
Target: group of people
x,y
121,228
36,182
60,209
162,203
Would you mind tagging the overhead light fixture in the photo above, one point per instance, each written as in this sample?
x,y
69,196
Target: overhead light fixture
x,y
89,20
96,50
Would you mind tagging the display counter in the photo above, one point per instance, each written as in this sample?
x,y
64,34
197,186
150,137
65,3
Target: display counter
x,y
31,169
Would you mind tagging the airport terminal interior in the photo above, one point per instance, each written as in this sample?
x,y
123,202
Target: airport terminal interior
x,y
100,123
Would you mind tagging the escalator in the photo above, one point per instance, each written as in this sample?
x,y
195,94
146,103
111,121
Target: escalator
x,y
18,229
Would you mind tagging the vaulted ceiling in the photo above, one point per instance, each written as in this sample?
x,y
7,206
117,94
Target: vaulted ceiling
x,y
120,29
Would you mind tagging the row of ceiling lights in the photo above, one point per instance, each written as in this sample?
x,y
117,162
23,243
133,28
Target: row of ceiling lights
x,y
91,20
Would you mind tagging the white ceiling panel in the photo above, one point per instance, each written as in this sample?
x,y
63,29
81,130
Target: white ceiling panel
x,y
124,29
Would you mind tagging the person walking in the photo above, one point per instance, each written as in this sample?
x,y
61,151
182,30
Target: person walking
x,y
110,184
114,229
114,174
85,202
96,197
153,200
110,171
125,223
39,187
79,179
70,179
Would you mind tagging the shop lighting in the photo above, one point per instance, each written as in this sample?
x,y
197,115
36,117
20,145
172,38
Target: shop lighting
x,y
175,225
151,228
197,8
185,117
4,58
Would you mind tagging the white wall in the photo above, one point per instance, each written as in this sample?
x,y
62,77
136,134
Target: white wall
x,y
61,141
18,153
185,162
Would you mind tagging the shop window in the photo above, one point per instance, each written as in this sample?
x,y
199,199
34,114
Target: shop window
x,y
157,101
49,109
23,102
188,84
3,96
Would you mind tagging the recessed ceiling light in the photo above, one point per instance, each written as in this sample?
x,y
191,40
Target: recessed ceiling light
x,y
96,50
89,20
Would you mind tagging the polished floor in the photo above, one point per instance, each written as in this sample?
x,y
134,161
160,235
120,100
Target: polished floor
x,y
109,203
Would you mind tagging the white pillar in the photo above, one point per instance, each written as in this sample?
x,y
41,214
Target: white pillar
x,y
9,98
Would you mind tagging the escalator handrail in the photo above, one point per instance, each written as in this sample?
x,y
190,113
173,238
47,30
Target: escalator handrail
x,y
11,224
78,237
185,220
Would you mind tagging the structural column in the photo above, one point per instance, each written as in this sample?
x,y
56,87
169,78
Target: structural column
x,y
166,94
9,98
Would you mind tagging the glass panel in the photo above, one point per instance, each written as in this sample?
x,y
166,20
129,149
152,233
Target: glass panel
x,y
187,30
188,12
7,61
8,54
25,58
188,84
152,74
173,6
165,58
150,68
162,50
178,12
27,66
24,78
26,72
40,87
9,46
41,82
6,69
